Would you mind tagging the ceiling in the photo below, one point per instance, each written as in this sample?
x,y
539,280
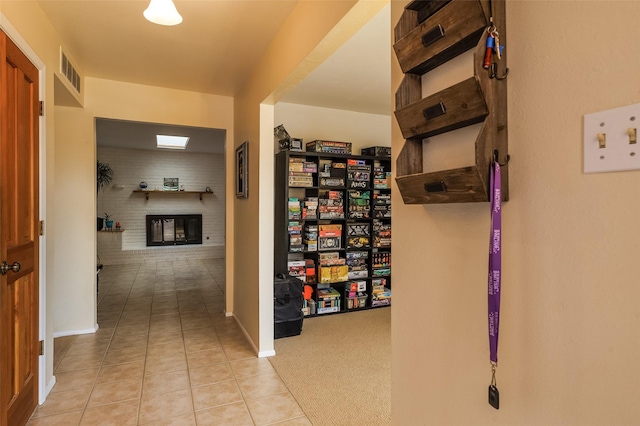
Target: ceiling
x,y
213,51
136,135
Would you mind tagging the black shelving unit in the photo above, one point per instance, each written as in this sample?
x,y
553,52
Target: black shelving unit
x,y
364,188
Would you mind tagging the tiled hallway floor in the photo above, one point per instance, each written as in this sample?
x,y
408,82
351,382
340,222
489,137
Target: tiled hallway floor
x,y
165,354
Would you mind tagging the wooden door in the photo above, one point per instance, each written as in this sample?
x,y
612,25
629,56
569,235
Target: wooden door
x,y
19,235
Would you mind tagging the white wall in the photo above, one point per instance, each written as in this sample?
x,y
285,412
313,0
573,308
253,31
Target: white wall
x,y
195,171
311,123
28,22
74,283
570,322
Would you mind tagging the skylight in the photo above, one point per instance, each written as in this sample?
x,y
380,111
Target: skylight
x,y
172,142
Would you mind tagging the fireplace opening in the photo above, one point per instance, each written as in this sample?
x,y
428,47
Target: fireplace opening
x,y
174,229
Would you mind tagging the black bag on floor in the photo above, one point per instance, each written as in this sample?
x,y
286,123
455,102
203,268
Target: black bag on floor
x,y
287,306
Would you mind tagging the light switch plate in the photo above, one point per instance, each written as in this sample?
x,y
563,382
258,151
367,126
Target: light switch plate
x,y
613,126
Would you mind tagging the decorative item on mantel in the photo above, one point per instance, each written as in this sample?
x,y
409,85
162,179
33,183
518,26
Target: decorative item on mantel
x,y
108,221
143,185
171,184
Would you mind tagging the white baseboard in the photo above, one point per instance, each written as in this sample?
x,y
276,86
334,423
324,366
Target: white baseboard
x,y
48,389
76,332
228,314
265,354
246,335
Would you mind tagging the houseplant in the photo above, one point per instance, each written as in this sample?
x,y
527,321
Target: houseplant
x,y
108,221
104,176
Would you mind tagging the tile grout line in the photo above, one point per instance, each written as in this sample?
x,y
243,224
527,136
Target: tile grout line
x,y
144,366
189,282
84,410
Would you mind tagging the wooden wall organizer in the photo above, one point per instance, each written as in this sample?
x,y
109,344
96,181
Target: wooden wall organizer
x,y
429,34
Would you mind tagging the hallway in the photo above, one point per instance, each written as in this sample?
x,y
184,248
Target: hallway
x,y
165,354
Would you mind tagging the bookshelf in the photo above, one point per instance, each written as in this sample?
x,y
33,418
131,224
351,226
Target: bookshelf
x,y
333,228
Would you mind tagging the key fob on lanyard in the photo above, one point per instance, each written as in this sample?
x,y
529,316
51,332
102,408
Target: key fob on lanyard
x,y
494,397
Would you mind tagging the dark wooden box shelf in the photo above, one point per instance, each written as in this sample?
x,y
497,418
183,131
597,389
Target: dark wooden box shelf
x,y
428,34
450,31
463,105
461,185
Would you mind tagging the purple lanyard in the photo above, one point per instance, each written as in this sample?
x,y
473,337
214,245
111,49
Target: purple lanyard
x,y
495,269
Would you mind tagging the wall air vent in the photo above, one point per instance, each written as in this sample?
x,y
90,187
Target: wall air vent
x,y
69,71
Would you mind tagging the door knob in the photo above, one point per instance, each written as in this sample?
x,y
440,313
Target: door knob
x,y
5,267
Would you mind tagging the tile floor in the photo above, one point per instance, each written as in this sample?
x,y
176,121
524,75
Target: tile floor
x,y
165,354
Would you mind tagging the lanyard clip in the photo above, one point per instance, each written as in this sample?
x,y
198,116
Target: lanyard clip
x,y
494,395
493,373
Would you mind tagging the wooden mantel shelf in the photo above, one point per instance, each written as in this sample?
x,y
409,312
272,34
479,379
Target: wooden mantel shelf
x,y
146,192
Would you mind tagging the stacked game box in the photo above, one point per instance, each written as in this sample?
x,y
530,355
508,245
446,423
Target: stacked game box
x,y
310,239
301,172
328,300
381,178
290,144
377,151
357,263
381,234
332,269
297,269
333,147
380,293
331,207
294,209
332,174
329,237
310,271
381,206
295,237
358,235
359,204
310,209
358,174
381,264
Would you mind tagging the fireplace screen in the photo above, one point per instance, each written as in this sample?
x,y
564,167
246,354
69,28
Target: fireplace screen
x,y
163,230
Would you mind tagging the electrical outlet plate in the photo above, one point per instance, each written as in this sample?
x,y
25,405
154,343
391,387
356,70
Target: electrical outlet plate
x,y
618,154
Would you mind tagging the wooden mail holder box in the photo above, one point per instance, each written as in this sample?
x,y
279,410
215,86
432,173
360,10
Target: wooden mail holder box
x,y
429,34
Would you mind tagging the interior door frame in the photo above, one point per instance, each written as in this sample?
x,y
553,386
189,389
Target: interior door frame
x,y
43,387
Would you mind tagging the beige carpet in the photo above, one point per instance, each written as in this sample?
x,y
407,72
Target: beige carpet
x,y
339,368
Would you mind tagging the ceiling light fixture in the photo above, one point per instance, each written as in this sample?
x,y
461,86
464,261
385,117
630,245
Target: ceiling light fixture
x,y
162,12
172,142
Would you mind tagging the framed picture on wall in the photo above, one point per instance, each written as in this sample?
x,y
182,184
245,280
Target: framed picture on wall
x,y
242,170
170,184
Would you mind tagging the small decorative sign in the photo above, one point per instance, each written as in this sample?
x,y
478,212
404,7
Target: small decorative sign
x,y
171,184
